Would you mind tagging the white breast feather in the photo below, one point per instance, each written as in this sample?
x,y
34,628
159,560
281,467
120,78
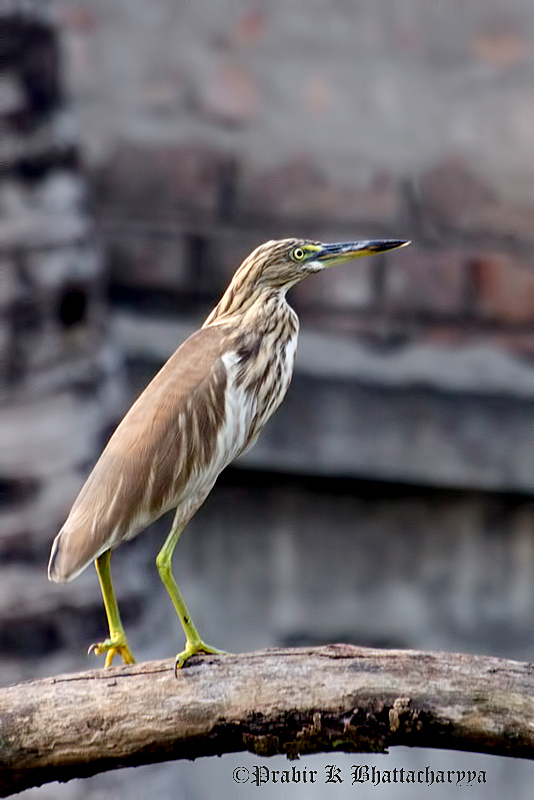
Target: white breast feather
x,y
240,412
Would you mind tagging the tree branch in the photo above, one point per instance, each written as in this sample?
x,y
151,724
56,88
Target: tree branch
x,y
292,701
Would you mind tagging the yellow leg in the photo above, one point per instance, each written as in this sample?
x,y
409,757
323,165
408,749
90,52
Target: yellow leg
x,y
194,643
116,644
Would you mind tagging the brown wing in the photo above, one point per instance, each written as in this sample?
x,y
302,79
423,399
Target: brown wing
x,y
170,431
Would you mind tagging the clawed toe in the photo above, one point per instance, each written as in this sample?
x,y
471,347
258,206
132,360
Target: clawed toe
x,y
110,648
191,649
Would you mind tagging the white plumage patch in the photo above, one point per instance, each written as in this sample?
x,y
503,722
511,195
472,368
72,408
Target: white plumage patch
x,y
245,411
241,408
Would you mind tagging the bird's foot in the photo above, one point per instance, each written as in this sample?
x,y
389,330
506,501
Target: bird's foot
x,y
116,645
193,647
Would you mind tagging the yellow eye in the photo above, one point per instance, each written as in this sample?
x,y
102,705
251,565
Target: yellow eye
x,y
298,253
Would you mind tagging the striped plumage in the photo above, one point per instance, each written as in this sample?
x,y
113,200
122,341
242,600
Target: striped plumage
x,y
205,407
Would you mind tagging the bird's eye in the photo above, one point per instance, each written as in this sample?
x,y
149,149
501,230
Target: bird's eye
x,y
298,253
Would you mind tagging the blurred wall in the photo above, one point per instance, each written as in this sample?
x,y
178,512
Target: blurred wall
x,y
211,132
359,86
211,125
61,379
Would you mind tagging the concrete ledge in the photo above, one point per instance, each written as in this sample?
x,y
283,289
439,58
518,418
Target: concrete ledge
x,y
424,414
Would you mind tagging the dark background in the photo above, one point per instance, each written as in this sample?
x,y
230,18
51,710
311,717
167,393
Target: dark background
x,y
146,148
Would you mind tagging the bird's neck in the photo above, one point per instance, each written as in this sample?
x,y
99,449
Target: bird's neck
x,y
261,334
248,307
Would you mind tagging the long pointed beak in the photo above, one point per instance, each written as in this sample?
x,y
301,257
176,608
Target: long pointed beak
x,y
332,254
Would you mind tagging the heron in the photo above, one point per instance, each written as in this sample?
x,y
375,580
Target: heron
x,y
204,408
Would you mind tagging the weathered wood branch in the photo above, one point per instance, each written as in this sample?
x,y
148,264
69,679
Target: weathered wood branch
x,y
291,701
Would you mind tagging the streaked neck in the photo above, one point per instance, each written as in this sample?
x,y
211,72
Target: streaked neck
x,y
242,306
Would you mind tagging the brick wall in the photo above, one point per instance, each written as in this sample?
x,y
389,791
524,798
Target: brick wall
x,y
468,276
211,127
386,119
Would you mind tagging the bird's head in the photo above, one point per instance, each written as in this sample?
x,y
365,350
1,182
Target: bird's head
x,y
280,264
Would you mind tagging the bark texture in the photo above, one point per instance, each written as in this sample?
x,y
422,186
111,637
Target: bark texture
x,y
292,701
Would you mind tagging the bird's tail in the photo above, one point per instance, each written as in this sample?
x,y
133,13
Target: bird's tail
x,y
55,572
68,557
